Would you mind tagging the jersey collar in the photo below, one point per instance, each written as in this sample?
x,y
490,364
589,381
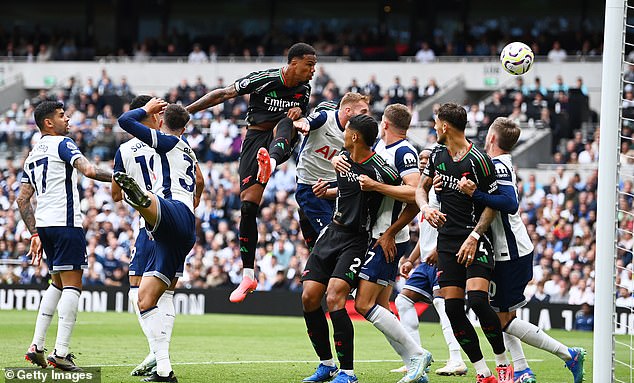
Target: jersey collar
x,y
394,143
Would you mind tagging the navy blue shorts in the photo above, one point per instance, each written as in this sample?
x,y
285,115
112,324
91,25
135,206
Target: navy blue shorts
x,y
424,280
376,269
142,248
174,235
317,210
65,248
508,283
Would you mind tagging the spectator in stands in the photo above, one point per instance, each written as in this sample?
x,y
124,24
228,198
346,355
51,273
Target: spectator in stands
x,y
197,55
624,298
373,89
425,54
559,85
396,92
354,87
431,88
557,54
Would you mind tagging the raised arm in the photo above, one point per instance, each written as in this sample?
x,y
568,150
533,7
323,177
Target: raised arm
x,y
212,98
131,122
506,201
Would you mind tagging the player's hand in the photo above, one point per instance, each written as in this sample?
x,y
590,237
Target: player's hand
x,y
302,126
320,188
406,268
367,183
466,186
35,250
388,244
435,218
432,258
294,113
437,183
466,254
340,164
155,105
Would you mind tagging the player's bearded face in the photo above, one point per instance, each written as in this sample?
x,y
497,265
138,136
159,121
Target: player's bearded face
x,y
439,131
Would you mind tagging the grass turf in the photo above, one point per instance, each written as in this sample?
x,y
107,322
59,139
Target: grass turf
x,y
241,348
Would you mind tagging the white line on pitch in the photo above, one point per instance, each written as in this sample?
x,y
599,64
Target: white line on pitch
x,y
276,361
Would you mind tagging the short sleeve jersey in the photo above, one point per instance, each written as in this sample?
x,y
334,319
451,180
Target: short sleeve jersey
x,y
270,97
355,209
323,142
462,212
404,158
49,169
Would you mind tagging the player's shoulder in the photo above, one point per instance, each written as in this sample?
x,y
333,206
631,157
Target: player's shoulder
x,y
503,166
479,153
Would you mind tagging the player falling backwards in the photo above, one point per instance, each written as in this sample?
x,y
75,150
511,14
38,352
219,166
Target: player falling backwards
x,y
168,214
422,285
323,141
274,94
50,171
334,263
465,256
140,161
514,258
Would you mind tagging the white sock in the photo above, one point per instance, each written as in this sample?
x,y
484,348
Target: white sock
x,y
400,350
273,164
501,359
536,337
166,306
348,372
133,297
387,323
246,272
48,304
328,362
452,343
482,368
514,345
155,333
408,317
67,313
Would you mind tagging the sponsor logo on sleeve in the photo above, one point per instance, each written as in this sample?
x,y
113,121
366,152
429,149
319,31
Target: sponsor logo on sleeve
x,y
244,83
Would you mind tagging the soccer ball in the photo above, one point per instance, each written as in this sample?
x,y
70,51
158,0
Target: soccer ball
x,y
517,58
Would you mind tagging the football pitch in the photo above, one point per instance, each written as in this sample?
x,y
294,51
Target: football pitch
x,y
244,348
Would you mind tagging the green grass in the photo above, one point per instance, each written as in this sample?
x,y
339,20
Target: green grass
x,y
115,341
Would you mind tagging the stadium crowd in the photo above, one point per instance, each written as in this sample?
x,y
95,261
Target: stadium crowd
x,y
560,214
553,37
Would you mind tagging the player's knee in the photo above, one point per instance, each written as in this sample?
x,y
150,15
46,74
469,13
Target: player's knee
x,y
505,319
403,303
363,306
248,210
310,301
478,300
454,308
335,301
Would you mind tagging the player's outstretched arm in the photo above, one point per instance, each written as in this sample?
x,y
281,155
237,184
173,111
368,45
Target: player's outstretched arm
x,y
91,171
212,98
408,262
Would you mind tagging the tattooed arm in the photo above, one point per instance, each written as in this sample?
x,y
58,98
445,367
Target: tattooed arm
x,y
28,216
91,171
212,98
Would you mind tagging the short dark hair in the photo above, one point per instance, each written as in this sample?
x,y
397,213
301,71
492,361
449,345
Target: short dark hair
x,y
454,114
507,133
365,125
175,117
299,50
44,110
399,115
139,101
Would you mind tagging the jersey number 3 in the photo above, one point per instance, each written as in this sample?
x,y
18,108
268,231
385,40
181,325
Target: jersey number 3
x,y
190,173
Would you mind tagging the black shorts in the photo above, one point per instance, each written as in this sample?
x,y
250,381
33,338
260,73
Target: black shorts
x,y
248,166
451,273
337,254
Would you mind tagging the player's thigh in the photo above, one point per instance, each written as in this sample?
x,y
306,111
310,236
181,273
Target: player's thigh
x,y
421,283
318,211
350,260
367,296
450,272
312,294
337,293
377,269
65,248
150,290
412,295
248,165
509,282
71,278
